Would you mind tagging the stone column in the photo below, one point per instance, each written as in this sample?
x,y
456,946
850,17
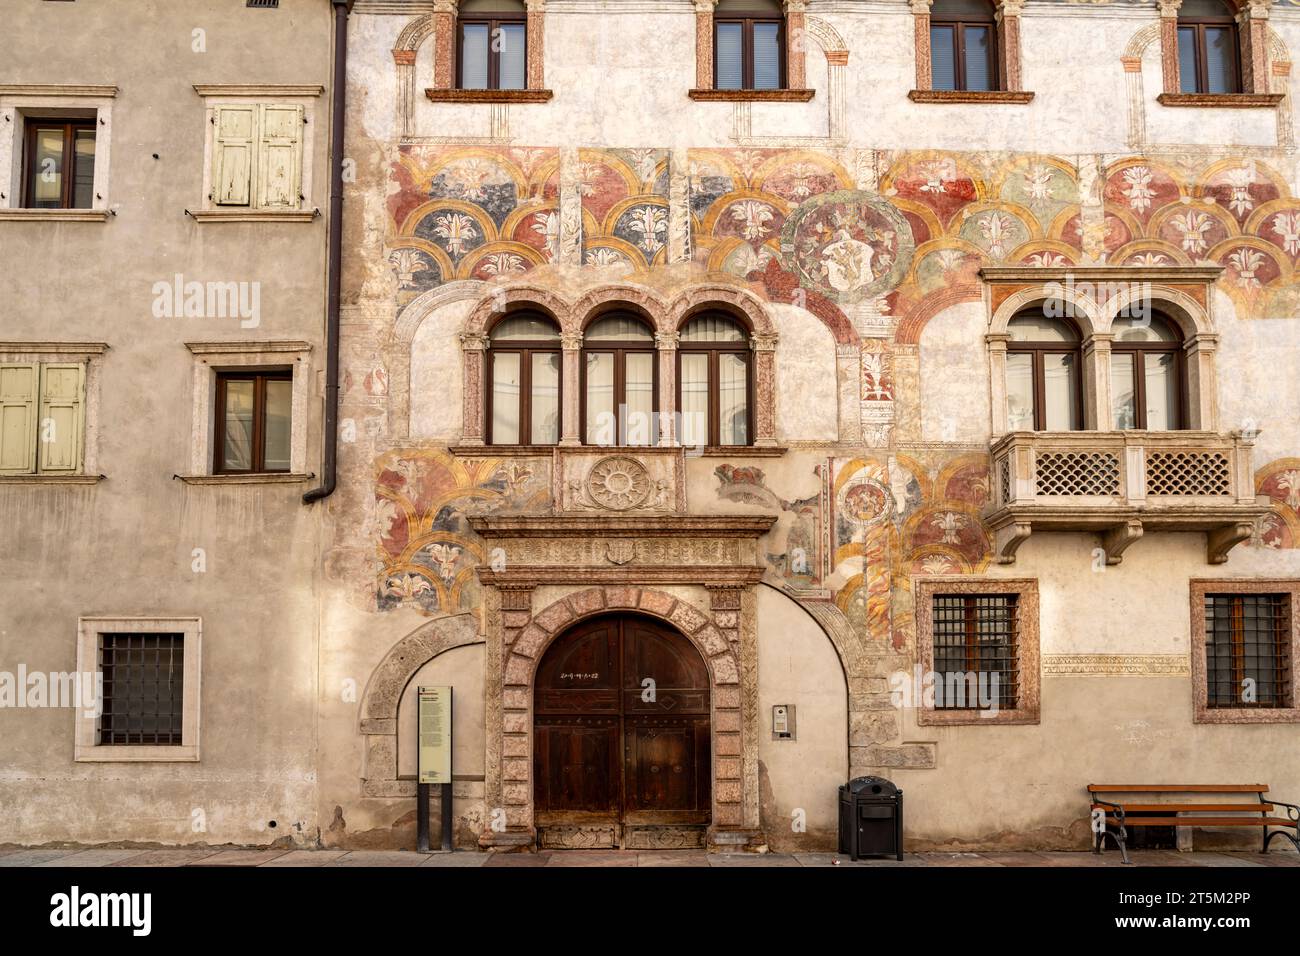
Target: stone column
x,y
1008,18
1252,24
997,343
1097,411
1202,410
921,18
796,44
444,43
536,44
704,43
1169,44
571,429
764,350
472,430
666,344
751,719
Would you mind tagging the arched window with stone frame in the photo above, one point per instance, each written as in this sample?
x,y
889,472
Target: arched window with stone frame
x,y
715,382
1044,384
620,381
524,395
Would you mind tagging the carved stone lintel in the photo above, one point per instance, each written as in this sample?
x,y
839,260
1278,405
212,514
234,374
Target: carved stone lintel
x,y
516,597
1116,540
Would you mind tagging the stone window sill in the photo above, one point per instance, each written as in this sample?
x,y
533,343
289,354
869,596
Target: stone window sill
x,y
752,96
141,753
489,96
931,717
54,215
252,215
970,96
50,479
1228,100
271,478
1247,715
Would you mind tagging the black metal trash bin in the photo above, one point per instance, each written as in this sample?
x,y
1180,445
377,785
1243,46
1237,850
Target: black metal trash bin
x,y
871,818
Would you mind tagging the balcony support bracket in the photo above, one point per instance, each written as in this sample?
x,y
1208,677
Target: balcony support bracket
x,y
1221,540
1008,538
1115,540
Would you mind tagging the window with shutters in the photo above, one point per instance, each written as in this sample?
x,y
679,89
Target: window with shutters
x,y
145,678
257,156
42,418
1245,638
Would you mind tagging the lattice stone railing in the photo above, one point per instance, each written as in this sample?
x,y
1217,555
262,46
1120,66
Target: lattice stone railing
x,y
1122,483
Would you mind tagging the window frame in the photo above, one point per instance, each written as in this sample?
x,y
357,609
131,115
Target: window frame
x,y
33,122
713,349
1201,53
525,348
1203,711
260,377
1139,351
1028,697
86,748
620,349
970,644
1040,349
493,20
959,22
747,19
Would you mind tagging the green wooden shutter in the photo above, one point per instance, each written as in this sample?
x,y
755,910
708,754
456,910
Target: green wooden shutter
x,y
279,165
18,384
60,425
233,153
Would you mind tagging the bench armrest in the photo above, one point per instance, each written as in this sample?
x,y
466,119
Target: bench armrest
x,y
1292,810
1117,808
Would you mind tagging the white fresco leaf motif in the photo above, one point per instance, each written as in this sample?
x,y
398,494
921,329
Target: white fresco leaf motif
x,y
1193,226
950,523
1287,225
996,230
1137,187
1241,179
457,229
649,221
754,216
1038,182
502,263
407,262
1047,260
547,224
1245,262
1290,482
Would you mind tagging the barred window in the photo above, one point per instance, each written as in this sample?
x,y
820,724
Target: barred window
x,y
1247,650
976,662
143,688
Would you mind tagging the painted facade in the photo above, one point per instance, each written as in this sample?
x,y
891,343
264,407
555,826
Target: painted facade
x,y
874,245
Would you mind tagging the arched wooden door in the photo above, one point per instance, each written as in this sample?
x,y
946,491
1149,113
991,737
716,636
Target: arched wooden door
x,y
621,753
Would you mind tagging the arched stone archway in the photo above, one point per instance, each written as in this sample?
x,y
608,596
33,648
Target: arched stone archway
x,y
383,694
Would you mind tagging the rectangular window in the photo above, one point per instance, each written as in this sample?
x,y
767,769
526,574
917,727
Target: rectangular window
x,y
943,58
42,418
695,398
1248,650
977,647
253,422
975,655
257,156
143,689
59,163
492,54
749,54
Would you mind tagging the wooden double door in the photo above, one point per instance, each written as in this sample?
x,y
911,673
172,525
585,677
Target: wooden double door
x,y
621,733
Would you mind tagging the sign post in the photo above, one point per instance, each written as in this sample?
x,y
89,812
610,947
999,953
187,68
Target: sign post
x,y
435,761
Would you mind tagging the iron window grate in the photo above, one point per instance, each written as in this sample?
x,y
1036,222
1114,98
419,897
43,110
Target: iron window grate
x,y
1247,651
263,3
975,641
144,676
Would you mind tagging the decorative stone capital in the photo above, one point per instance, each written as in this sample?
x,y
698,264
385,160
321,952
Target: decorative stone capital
x,y
535,6
446,6
1169,8
920,6
705,6
763,343
667,340
571,341
404,57
1010,8
794,6
474,340
1254,10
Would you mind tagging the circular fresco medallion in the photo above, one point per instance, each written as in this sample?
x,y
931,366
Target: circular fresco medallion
x,y
618,483
849,245
865,501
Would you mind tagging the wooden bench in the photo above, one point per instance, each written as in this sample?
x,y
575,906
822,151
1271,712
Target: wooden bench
x,y
1111,817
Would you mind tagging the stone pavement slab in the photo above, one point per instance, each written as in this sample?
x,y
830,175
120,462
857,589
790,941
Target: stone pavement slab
x,y
241,858
752,859
34,857
379,858
307,858
457,858
656,858
93,857
597,858
179,856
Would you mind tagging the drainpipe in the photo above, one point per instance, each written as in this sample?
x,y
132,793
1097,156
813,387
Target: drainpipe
x,y
329,475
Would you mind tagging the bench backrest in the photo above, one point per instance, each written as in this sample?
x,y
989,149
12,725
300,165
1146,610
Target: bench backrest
x,y
1178,788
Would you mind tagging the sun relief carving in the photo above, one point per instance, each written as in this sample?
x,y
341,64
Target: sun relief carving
x,y
619,483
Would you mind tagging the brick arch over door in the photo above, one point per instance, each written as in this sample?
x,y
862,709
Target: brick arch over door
x,y
383,695
509,759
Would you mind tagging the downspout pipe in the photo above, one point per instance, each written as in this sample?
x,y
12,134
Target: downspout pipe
x,y
330,427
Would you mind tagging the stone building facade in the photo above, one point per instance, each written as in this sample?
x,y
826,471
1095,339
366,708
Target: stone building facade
x,y
894,476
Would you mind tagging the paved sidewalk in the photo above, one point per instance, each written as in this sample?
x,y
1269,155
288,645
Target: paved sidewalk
x,y
216,856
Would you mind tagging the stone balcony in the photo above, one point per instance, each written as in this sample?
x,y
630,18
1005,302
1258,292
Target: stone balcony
x,y
1121,484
